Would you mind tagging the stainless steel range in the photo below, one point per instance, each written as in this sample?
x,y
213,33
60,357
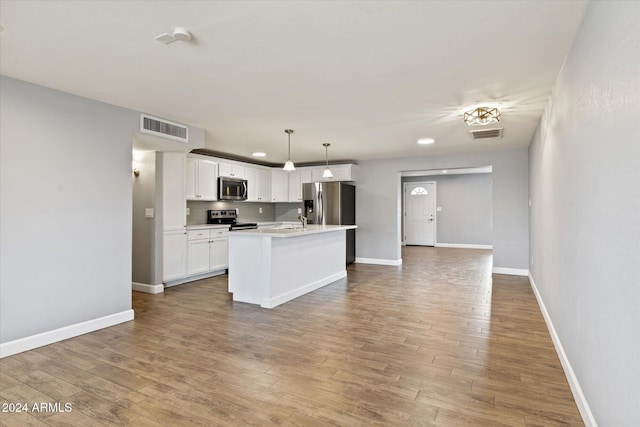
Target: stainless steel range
x,y
230,217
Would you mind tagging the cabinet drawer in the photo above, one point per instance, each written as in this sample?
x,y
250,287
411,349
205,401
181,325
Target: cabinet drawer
x,y
198,234
215,234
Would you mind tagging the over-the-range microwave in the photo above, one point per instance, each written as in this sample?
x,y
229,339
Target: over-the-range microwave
x,y
232,188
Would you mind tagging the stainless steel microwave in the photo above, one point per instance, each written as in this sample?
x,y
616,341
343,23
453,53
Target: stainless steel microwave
x,y
232,188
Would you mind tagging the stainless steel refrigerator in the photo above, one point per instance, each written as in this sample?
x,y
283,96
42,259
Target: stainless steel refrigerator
x,y
332,203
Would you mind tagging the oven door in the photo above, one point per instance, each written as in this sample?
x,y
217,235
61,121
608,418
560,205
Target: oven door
x,y
232,188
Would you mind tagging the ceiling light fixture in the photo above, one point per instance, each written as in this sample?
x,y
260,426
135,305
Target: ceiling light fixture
x,y
426,141
259,154
288,165
482,116
327,172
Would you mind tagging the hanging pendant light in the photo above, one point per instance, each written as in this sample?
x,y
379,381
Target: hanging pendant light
x,y
327,172
288,165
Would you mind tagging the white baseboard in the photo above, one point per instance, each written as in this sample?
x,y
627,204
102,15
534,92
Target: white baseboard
x,y
463,246
379,261
45,338
288,296
581,401
149,289
511,271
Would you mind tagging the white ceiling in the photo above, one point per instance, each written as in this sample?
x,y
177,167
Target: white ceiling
x,y
369,77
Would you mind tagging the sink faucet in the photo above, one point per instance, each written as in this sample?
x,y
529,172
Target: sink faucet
x,y
303,220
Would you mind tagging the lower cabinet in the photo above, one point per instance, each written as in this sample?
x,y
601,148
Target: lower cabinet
x,y
174,255
207,250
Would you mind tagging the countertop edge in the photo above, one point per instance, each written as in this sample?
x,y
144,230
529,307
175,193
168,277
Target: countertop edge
x,y
311,229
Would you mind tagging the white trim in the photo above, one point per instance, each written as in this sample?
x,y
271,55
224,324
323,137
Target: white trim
x,y
379,261
295,293
581,401
45,338
463,246
511,271
149,289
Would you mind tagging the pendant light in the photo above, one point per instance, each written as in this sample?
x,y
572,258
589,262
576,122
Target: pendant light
x,y
327,172
288,165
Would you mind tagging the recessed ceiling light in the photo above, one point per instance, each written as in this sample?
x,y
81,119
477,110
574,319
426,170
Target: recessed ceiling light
x,y
425,141
259,154
444,171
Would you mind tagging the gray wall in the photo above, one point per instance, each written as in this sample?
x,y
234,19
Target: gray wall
x,y
585,214
144,189
378,203
465,200
65,209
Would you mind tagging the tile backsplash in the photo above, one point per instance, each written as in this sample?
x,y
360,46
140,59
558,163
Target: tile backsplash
x,y
247,211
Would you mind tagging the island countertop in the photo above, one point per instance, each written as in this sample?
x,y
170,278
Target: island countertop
x,y
292,231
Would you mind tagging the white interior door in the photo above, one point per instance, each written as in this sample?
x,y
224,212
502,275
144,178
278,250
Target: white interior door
x,y
419,213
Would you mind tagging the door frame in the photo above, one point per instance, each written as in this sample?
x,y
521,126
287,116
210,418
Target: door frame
x,y
404,210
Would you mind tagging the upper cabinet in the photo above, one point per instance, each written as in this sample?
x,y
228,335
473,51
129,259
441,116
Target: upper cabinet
x,y
296,179
201,177
279,185
340,173
258,184
231,169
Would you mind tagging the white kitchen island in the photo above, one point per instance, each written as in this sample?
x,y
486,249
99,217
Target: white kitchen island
x,y
271,266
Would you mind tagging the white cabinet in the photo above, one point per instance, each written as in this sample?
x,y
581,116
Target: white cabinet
x,y
208,250
340,173
201,177
219,253
174,220
279,185
296,179
173,198
259,184
231,169
174,252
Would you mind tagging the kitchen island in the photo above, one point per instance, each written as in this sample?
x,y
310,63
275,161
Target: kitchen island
x,y
270,266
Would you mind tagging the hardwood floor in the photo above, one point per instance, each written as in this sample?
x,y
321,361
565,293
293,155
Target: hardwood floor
x,y
438,341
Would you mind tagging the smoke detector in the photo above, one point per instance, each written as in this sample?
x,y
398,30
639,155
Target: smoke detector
x,y
179,33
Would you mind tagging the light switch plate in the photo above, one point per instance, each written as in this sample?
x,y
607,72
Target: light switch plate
x,y
259,210
188,211
439,209
148,213
299,210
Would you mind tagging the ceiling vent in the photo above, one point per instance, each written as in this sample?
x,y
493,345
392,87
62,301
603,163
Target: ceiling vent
x,y
486,133
163,128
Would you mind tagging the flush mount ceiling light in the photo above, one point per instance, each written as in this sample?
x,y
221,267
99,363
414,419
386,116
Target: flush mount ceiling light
x,y
179,34
482,116
288,165
327,172
259,154
426,141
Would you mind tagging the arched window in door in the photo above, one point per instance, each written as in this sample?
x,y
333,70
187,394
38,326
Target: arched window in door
x,y
419,191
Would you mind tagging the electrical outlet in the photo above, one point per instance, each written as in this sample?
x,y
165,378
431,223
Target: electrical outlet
x,y
259,210
529,202
299,210
439,209
531,259
148,213
188,211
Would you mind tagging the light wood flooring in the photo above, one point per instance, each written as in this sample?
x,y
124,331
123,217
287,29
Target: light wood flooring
x,y
438,341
